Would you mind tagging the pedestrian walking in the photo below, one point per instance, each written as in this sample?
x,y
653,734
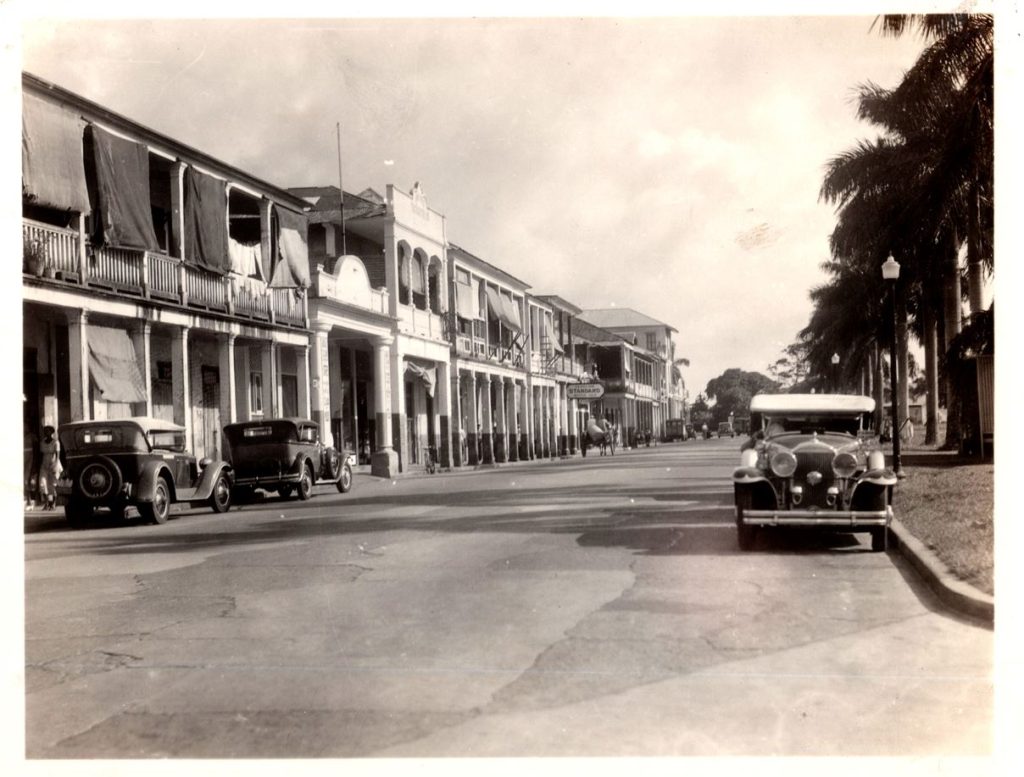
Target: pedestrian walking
x,y
49,467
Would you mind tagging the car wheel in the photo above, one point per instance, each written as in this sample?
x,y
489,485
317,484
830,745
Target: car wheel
x,y
345,478
305,487
77,514
880,539
159,509
745,535
220,500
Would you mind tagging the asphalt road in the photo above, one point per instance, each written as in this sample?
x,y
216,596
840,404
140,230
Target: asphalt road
x,y
588,607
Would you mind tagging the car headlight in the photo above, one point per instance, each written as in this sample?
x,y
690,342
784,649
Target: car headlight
x,y
844,464
783,463
876,460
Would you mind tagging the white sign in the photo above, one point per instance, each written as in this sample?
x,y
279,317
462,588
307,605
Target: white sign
x,y
584,391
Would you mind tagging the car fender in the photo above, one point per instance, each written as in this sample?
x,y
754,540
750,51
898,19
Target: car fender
x,y
146,483
878,477
300,459
212,471
748,475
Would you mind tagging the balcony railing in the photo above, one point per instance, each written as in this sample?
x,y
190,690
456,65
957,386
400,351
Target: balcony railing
x,y
58,252
423,323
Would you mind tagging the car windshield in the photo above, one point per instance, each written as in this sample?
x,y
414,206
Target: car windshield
x,y
806,424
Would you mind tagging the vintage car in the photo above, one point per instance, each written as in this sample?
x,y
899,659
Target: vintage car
x,y
725,430
284,455
812,462
140,462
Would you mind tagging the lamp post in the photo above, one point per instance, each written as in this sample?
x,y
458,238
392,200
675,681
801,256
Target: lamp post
x,y
891,273
835,373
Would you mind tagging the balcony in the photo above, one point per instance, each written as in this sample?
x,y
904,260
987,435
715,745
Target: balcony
x,y
58,254
421,323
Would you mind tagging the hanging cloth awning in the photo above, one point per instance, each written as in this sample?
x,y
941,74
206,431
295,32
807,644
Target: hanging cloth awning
x,y
122,180
549,331
427,374
292,270
206,229
499,311
52,163
112,365
511,312
246,259
465,300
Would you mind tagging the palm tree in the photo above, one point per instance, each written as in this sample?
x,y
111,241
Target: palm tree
x,y
927,180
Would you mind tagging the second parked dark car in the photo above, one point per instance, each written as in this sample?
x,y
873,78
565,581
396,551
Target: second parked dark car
x,y
284,455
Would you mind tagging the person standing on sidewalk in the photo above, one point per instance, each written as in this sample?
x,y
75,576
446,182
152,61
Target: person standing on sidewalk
x,y
49,467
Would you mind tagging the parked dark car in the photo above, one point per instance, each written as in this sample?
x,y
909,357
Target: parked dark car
x,y
140,462
284,455
813,462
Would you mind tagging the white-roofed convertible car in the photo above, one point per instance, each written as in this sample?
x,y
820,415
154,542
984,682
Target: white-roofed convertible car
x,y
813,462
135,461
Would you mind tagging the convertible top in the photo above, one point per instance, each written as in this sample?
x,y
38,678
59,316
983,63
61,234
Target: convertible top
x,y
781,404
143,422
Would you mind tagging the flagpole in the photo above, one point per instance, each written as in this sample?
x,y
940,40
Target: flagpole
x,y
341,195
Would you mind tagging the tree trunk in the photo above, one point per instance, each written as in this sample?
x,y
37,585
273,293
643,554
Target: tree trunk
x,y
879,386
975,268
903,357
931,370
951,316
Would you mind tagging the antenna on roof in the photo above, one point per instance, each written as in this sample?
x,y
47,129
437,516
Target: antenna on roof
x,y
341,194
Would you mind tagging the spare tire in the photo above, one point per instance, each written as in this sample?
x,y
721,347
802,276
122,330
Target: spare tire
x,y
99,480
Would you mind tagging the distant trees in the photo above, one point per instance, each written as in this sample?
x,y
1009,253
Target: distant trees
x,y
922,191
733,390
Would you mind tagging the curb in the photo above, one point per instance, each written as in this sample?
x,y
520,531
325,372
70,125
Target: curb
x,y
953,592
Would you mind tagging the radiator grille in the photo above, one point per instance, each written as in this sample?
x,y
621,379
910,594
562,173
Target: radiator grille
x,y
814,461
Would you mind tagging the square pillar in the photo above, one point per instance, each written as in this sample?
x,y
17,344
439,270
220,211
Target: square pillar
x,y
511,419
180,382
473,433
140,335
305,404
443,410
319,370
457,424
78,367
500,422
228,389
385,461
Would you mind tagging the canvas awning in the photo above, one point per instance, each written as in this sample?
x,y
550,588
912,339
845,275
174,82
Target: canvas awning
x,y
112,365
292,270
466,300
427,374
206,229
511,312
246,259
416,275
498,310
122,180
549,332
52,163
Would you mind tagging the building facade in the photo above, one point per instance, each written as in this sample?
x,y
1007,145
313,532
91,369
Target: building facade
x,y
156,280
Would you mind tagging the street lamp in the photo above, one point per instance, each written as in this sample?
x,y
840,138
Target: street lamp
x,y
891,272
835,373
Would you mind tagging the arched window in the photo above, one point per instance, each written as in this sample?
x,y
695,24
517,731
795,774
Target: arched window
x,y
416,280
403,274
434,285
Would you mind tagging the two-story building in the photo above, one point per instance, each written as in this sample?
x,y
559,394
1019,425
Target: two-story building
x,y
380,307
657,395
156,279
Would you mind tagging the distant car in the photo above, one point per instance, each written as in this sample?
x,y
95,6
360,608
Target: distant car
x,y
725,430
284,455
140,462
675,429
813,463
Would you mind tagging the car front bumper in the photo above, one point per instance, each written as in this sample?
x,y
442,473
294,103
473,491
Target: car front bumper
x,y
865,518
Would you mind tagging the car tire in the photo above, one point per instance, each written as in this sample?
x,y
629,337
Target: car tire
x,y
220,499
880,539
345,478
159,510
746,536
305,485
78,514
99,480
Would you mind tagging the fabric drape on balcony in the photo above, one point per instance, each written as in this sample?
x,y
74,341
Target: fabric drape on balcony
x,y
206,228
466,300
122,180
246,259
292,269
52,163
511,312
427,374
549,332
416,275
112,365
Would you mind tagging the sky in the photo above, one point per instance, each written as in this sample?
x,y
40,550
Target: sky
x,y
670,165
